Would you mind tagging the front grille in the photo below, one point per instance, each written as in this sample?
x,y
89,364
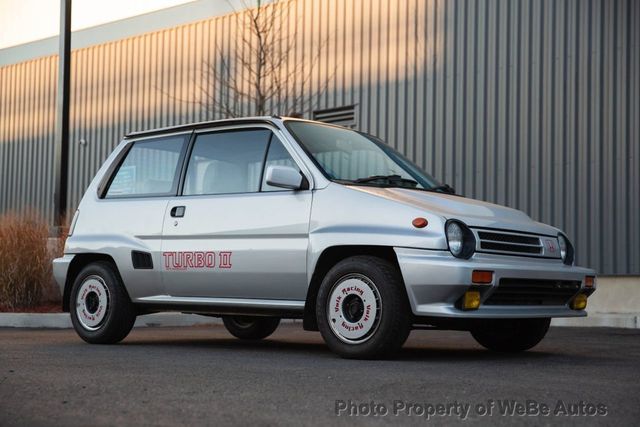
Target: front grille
x,y
505,247
492,241
533,292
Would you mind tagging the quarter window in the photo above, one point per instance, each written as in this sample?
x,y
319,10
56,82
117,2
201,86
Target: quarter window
x,y
149,169
227,162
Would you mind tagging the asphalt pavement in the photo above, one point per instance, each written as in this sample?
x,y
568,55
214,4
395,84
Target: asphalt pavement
x,y
203,376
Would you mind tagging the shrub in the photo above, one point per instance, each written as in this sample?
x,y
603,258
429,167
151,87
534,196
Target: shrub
x,y
25,261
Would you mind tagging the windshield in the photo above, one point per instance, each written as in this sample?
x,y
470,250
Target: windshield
x,y
350,157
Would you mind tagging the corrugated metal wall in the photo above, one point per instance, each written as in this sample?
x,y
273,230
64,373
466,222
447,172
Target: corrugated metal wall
x,y
531,104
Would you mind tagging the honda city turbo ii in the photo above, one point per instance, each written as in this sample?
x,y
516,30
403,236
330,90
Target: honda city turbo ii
x,y
258,219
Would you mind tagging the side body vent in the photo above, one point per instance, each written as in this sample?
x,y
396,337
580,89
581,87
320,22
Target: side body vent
x,y
141,260
343,116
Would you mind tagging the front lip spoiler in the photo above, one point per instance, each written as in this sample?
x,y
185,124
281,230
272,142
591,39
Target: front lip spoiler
x,y
435,281
501,312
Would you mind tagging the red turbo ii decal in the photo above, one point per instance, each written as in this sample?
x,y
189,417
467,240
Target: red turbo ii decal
x,y
196,260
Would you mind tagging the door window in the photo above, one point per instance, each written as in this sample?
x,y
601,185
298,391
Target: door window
x,y
227,162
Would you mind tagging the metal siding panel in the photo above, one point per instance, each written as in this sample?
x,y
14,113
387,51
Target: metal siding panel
x,y
380,76
42,119
402,61
581,132
18,141
416,50
608,227
391,105
25,135
634,137
12,137
465,163
438,90
489,165
37,158
15,138
523,54
622,149
596,120
501,100
3,139
73,146
481,131
29,135
453,125
11,141
20,136
7,120
572,172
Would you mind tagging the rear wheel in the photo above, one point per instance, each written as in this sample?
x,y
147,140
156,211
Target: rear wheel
x,y
250,328
362,308
510,335
101,311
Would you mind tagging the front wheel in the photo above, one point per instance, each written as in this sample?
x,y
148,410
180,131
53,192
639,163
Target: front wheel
x,y
362,308
250,328
510,335
101,311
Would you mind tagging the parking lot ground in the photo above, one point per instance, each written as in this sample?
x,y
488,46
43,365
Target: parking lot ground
x,y
202,376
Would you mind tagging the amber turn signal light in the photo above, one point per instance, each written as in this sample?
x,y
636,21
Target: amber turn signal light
x,y
420,222
589,281
482,277
579,302
471,300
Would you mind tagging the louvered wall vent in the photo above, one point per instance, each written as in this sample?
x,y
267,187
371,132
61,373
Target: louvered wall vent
x,y
343,116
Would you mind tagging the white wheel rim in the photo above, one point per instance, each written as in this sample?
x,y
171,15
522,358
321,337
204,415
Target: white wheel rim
x,y
354,308
92,303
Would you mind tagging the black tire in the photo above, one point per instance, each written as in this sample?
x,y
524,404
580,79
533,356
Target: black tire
x,y
510,335
117,316
387,322
250,328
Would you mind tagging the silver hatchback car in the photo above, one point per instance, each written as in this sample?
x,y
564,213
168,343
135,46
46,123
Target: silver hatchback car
x,y
258,219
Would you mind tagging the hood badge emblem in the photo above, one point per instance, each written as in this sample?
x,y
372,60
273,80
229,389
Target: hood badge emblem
x,y
551,246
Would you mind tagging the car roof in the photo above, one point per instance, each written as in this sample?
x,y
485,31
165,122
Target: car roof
x,y
206,124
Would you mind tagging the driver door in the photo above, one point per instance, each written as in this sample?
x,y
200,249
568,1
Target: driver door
x,y
229,234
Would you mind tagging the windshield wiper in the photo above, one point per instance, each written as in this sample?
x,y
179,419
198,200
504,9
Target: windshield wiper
x,y
444,188
392,179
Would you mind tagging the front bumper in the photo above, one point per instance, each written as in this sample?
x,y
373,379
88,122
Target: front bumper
x,y
435,281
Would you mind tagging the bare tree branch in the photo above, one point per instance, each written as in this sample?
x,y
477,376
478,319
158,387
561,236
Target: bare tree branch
x,y
262,74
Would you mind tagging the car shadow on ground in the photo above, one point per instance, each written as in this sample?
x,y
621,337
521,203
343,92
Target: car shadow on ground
x,y
230,344
272,347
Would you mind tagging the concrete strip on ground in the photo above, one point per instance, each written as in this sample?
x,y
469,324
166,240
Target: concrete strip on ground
x,y
608,320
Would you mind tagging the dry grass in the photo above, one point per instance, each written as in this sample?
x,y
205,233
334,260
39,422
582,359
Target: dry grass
x,y
25,262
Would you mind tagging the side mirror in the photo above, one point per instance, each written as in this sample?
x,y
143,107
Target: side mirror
x,y
286,177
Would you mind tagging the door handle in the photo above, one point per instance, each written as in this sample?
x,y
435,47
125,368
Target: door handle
x,y
178,211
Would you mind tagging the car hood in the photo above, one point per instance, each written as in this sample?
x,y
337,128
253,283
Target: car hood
x,y
474,213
